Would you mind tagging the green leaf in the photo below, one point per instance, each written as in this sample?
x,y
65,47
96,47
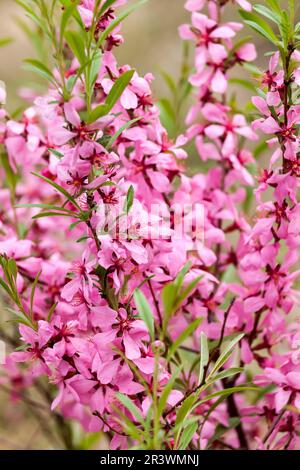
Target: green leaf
x,y
120,131
181,275
65,17
182,414
275,5
118,20
187,435
106,6
56,153
129,427
46,206
242,82
75,42
260,148
41,69
252,69
51,311
35,282
129,199
225,373
173,295
144,310
204,356
226,392
166,392
50,214
95,66
225,354
112,97
22,318
168,296
31,13
5,41
183,336
170,82
6,287
184,409
12,268
125,400
59,189
81,239
259,25
11,177
167,114
265,11
186,292
118,88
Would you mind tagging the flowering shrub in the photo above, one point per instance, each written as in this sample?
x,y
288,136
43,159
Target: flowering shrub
x,y
157,308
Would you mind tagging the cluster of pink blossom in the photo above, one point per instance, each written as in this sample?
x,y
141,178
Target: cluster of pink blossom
x,y
266,254
81,327
84,345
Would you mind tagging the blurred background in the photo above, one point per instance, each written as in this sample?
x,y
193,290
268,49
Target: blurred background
x,y
151,44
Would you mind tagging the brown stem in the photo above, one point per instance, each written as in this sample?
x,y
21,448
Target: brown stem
x,y
274,424
155,302
234,413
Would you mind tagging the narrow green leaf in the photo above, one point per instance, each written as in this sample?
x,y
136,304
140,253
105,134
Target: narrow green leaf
x,y
46,206
144,310
56,153
41,69
6,287
170,82
95,66
75,42
226,392
186,292
242,82
187,436
51,311
12,268
275,6
119,132
35,282
166,392
265,11
112,97
204,356
65,17
167,114
5,41
129,427
106,6
259,25
22,318
225,354
11,177
184,409
59,189
50,214
118,20
129,199
181,275
225,373
168,296
128,403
